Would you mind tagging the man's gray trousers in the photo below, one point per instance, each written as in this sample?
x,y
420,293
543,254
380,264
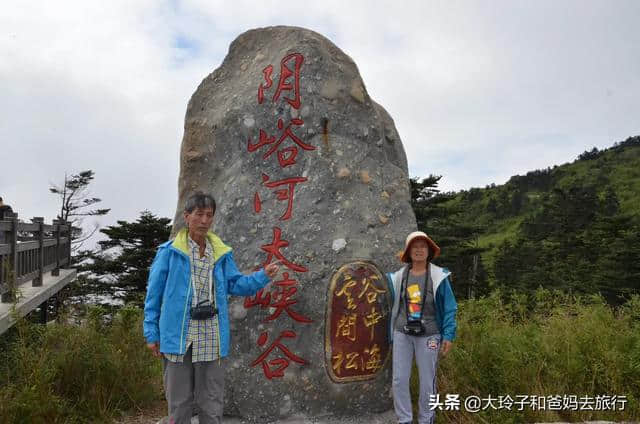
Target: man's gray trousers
x,y
188,385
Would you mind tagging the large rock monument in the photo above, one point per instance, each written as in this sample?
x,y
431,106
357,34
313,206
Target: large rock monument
x,y
308,170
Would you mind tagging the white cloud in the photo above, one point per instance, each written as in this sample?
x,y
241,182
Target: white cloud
x,y
477,93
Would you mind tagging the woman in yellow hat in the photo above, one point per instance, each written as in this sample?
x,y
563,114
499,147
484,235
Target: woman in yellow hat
x,y
423,323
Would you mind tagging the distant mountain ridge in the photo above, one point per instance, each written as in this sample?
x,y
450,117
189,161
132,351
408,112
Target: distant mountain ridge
x,y
574,227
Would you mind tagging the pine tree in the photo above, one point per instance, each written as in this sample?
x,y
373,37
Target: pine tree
x,y
75,198
121,267
456,236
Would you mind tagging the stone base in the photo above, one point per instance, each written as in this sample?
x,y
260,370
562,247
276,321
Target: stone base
x,y
382,418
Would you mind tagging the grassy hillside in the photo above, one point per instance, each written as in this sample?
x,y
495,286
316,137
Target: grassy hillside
x,y
554,224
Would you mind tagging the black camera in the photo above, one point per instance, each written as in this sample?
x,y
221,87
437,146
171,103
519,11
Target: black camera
x,y
414,328
203,311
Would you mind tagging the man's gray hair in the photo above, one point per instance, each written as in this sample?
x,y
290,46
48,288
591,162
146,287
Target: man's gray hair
x,y
199,200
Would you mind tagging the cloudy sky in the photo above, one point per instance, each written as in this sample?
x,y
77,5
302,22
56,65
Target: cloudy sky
x,y
479,91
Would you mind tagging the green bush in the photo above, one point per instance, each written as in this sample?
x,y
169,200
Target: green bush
x,y
77,374
549,343
546,344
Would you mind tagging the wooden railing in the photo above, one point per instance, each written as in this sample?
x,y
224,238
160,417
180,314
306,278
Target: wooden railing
x,y
28,250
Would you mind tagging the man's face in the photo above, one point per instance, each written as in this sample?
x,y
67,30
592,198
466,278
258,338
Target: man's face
x,y
199,221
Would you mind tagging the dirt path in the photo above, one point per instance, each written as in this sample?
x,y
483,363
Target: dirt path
x,y
150,415
156,413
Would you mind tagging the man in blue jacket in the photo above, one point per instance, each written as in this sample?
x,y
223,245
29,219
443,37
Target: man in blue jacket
x,y
186,318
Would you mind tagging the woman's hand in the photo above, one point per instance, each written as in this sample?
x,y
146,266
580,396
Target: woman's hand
x,y
446,347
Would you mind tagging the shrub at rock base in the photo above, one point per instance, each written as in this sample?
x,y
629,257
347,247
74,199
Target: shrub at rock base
x,y
546,344
88,373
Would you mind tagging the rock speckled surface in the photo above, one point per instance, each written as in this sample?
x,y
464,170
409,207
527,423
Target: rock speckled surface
x,y
354,204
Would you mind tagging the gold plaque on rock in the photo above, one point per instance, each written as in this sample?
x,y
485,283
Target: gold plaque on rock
x,y
357,322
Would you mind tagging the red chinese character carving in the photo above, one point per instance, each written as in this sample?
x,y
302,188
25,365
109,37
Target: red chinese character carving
x,y
264,140
286,156
280,364
261,298
283,303
284,194
267,79
286,73
273,249
286,281
257,203
281,297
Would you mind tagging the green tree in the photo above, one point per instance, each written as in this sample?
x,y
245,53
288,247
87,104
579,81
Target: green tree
x,y
610,204
517,201
121,267
455,234
492,205
503,203
424,190
76,203
578,241
573,227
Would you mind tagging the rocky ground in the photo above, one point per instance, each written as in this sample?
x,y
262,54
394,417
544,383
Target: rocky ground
x,y
156,415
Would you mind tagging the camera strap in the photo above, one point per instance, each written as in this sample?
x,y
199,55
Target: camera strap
x,y
423,292
210,281
212,286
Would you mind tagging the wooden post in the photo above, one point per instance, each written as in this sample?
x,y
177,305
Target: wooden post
x,y
68,245
14,249
3,235
56,225
37,282
12,280
3,263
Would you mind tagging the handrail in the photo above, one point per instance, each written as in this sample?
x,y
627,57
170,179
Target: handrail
x,y
46,247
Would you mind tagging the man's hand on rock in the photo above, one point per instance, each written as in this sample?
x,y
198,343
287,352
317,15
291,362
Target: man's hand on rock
x,y
272,269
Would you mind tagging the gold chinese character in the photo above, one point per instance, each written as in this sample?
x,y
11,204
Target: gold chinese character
x,y
374,363
372,319
351,360
372,295
349,283
337,363
347,327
